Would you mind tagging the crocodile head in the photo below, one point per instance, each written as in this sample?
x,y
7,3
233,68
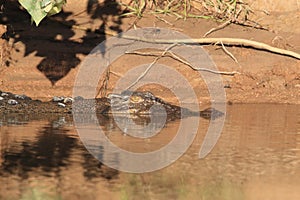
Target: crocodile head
x,y
141,103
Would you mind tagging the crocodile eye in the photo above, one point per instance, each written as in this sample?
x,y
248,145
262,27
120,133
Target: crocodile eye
x,y
136,99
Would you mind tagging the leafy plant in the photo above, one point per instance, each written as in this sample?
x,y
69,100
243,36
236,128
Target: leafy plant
x,y
39,9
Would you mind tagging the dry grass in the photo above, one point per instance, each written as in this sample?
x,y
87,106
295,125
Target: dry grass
x,y
220,10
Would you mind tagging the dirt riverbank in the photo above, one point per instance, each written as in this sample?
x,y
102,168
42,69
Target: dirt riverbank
x,y
44,60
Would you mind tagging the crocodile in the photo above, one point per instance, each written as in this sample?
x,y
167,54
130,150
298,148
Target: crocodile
x,y
145,103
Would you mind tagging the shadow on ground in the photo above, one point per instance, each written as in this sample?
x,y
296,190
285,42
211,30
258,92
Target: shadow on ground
x,y
52,38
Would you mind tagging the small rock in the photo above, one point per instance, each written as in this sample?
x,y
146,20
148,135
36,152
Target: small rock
x,y
4,94
23,97
61,105
56,99
1,98
68,100
297,85
12,102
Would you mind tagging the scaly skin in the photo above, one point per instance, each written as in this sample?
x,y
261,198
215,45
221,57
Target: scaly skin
x,y
145,103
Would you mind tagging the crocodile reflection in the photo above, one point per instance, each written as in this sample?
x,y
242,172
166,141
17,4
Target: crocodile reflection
x,y
143,104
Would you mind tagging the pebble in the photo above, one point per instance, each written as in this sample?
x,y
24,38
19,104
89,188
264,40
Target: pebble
x,y
12,102
4,94
56,99
1,98
61,105
23,97
68,100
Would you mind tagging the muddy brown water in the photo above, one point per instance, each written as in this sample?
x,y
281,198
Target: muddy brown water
x,y
256,157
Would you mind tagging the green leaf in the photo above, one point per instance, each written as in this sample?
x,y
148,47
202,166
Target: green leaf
x,y
45,3
33,7
57,7
48,7
39,9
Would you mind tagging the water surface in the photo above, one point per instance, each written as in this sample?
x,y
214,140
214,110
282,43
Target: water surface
x,y
256,157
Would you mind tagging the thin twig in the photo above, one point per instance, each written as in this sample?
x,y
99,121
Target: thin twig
x,y
217,28
228,53
238,13
174,56
201,68
253,24
163,20
116,73
225,41
149,67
